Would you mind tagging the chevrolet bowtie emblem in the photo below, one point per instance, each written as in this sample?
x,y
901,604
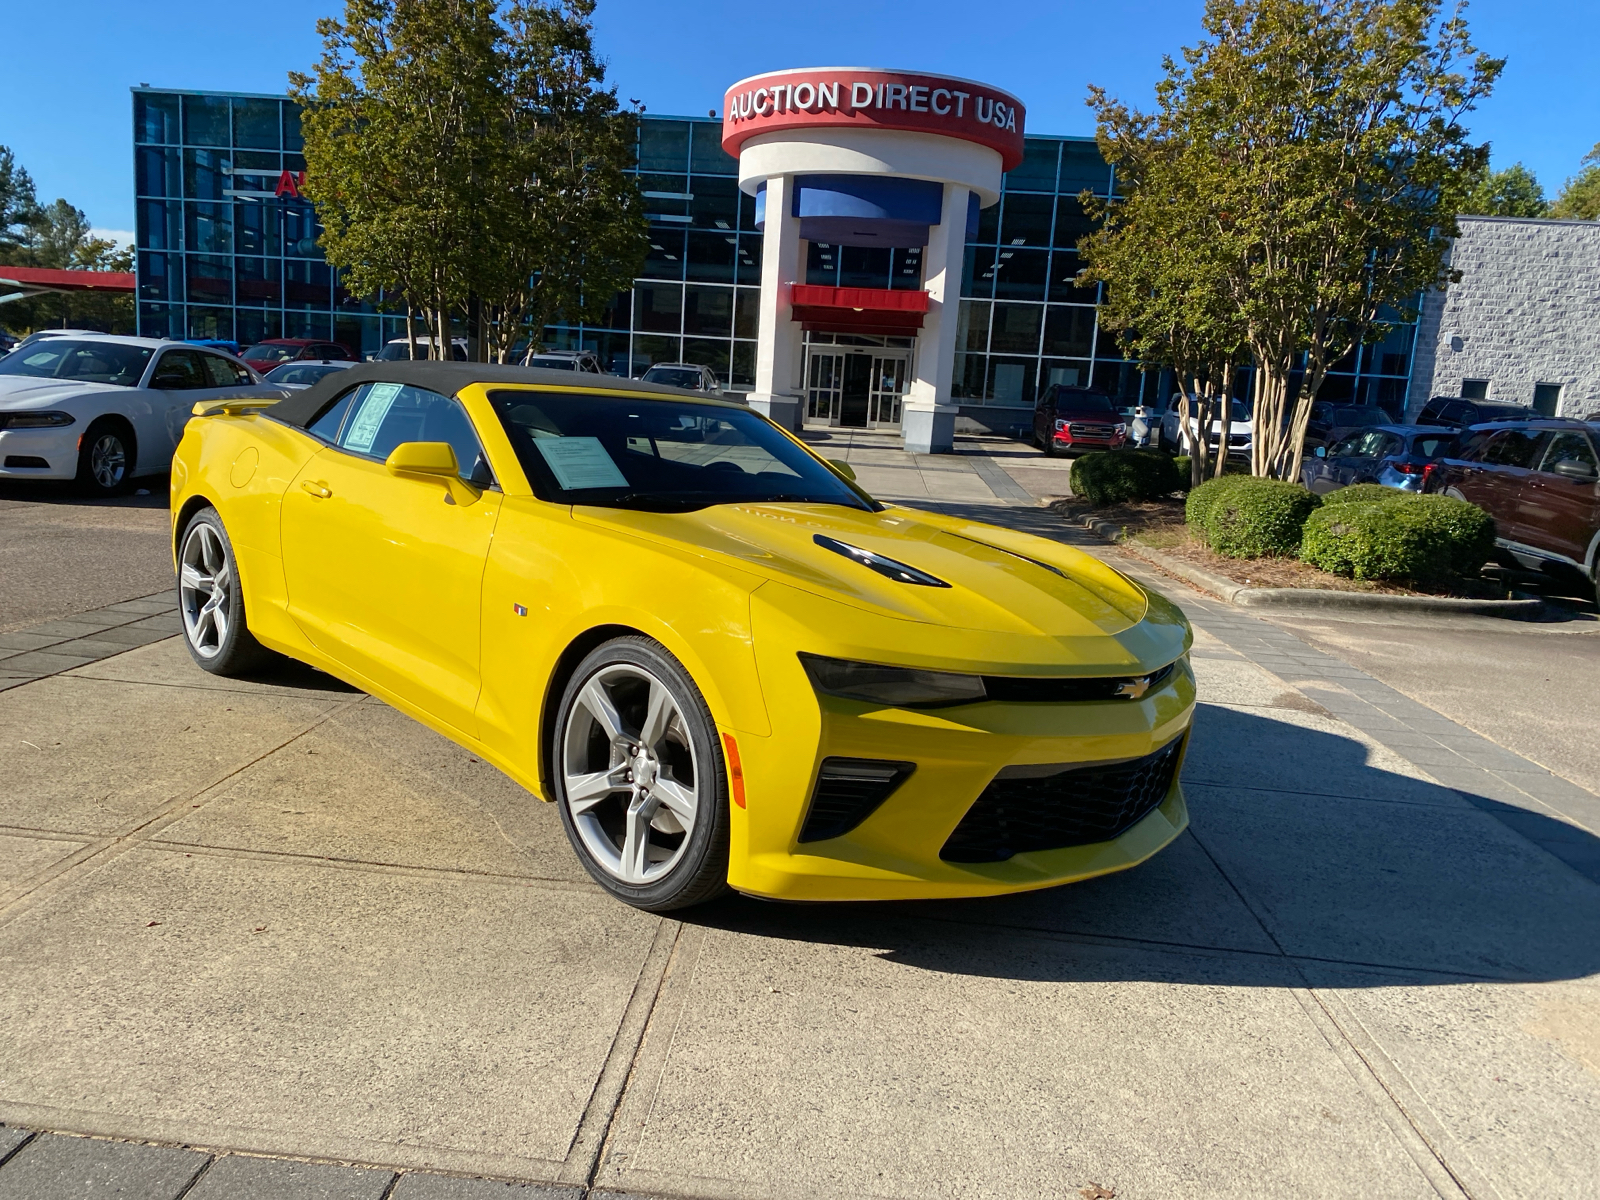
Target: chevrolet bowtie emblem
x,y
1133,689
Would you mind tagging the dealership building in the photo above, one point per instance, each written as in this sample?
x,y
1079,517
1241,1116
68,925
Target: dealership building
x,y
966,289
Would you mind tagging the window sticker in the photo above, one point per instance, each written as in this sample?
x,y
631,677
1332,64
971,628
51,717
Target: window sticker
x,y
580,462
364,429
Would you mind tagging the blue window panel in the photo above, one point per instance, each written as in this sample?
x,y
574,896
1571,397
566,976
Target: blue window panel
x,y
205,121
1037,171
1082,167
256,124
155,119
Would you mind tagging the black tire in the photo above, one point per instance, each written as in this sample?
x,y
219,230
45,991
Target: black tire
x,y
106,457
208,585
1050,450
690,864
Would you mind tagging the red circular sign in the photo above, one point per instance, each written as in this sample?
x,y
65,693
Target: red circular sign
x,y
849,98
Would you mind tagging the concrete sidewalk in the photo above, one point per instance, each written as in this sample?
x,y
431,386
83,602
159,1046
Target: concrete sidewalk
x,y
312,949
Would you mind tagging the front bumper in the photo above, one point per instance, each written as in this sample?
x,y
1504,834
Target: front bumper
x,y
898,851
22,451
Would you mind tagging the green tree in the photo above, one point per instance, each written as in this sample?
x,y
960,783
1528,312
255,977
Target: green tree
x,y
19,206
1580,196
1322,144
466,156
565,220
1167,297
1513,192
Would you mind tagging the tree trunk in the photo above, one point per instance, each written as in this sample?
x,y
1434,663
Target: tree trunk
x,y
411,330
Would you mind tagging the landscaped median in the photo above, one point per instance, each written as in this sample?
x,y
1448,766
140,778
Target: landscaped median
x,y
1255,541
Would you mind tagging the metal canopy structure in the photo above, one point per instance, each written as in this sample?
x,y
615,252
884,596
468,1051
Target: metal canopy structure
x,y
23,283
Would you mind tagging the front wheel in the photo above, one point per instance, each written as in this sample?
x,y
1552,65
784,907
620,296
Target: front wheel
x,y
211,602
639,778
105,458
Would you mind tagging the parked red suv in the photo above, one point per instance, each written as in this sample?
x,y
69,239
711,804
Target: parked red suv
x,y
274,352
1540,481
1077,418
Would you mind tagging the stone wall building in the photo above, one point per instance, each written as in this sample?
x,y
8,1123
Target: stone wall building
x,y
1523,325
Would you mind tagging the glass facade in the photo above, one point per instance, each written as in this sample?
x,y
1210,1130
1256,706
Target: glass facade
x,y
227,249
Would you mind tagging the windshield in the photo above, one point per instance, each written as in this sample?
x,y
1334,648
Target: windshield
x,y
1079,401
304,374
68,358
1360,416
553,363
683,377
660,455
257,355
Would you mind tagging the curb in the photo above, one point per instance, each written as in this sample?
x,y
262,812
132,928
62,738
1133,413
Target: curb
x,y
1245,596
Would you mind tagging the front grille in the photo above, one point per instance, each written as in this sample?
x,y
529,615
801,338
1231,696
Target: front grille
x,y
1046,808
1090,431
849,790
1056,690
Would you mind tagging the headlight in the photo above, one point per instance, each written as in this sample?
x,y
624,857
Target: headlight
x,y
1061,424
904,687
1122,429
35,420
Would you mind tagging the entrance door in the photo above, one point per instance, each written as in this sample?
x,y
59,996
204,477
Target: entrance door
x,y
888,386
856,391
824,377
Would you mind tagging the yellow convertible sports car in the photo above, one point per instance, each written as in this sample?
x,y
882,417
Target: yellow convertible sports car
x,y
724,662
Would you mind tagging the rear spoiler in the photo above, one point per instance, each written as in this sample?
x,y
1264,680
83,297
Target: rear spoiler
x,y
233,408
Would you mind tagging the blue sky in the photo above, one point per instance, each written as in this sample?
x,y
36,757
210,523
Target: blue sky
x,y
67,66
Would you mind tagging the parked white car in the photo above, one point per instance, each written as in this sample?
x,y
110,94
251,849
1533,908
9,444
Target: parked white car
x,y
1241,432
103,409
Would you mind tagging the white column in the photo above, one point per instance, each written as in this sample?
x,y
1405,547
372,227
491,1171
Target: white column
x,y
778,352
928,416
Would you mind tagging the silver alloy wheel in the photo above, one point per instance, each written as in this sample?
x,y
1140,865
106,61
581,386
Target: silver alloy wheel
x,y
205,590
632,779
108,460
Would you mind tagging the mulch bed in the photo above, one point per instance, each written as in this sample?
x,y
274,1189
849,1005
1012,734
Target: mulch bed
x,y
1159,525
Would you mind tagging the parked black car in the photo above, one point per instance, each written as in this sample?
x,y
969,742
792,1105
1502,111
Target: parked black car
x,y
1539,478
1397,456
1329,421
1456,413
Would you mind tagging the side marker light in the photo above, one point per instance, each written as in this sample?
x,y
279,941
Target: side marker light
x,y
735,768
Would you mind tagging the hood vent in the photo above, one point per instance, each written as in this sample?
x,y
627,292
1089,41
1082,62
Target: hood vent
x,y
897,571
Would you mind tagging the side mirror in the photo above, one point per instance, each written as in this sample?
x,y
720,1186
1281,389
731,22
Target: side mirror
x,y
1572,468
1321,452
843,468
423,458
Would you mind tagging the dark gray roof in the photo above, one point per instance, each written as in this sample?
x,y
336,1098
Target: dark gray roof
x,y
448,378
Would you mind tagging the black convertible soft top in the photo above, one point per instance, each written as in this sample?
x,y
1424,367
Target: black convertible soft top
x,y
448,378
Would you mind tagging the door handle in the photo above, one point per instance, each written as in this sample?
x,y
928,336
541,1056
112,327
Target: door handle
x,y
316,489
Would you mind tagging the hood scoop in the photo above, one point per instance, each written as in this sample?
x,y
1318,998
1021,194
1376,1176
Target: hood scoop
x,y
887,567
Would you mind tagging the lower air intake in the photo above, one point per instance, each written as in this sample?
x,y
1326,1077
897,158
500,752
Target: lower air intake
x,y
1025,809
849,790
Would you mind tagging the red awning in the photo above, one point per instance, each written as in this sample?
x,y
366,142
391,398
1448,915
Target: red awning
x,y
33,280
858,310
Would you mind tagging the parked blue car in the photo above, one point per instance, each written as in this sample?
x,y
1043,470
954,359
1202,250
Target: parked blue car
x,y
1397,456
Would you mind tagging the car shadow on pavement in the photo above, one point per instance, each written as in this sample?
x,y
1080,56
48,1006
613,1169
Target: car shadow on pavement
x,y
1304,864
299,676
145,492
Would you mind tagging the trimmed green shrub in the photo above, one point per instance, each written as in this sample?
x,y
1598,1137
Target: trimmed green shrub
x,y
1378,540
1423,539
1469,529
1180,464
1115,476
1366,493
1209,493
1258,518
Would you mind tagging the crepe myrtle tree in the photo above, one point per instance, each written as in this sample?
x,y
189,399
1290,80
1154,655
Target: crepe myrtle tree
x,y
1322,147
465,155
1166,299
564,227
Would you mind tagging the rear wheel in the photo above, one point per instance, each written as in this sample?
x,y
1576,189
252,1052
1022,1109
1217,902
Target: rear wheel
x,y
639,778
211,602
106,457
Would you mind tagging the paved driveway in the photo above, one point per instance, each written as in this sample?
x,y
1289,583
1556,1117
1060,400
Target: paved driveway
x,y
277,918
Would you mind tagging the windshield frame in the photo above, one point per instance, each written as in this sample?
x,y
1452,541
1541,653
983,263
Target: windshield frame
x,y
11,363
639,498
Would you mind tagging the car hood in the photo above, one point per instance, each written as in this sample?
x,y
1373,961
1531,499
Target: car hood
x,y
29,391
1090,416
999,581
